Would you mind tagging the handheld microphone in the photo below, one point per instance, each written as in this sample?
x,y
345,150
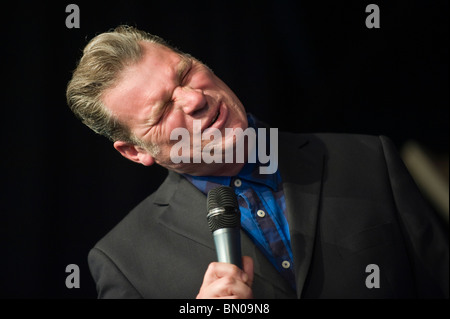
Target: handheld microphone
x,y
224,221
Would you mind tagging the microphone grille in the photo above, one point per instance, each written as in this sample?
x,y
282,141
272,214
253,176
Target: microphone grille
x,y
222,196
223,209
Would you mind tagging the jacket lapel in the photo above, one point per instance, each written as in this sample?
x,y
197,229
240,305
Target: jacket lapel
x,y
186,209
301,169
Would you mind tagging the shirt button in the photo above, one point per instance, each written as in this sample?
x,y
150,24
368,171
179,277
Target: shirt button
x,y
261,213
286,264
237,183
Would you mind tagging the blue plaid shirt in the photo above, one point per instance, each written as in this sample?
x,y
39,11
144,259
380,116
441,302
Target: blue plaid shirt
x,y
263,211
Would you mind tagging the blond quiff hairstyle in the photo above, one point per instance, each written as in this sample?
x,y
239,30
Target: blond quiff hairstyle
x,y
99,68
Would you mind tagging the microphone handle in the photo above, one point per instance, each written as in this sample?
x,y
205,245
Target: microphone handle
x,y
228,245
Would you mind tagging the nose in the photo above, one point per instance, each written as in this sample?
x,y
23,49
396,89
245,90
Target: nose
x,y
190,100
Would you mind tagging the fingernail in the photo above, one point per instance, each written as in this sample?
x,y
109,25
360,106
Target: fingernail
x,y
244,277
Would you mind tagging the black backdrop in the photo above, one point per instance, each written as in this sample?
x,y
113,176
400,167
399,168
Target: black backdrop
x,y
300,66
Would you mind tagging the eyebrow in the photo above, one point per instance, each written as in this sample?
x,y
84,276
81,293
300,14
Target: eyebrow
x,y
183,65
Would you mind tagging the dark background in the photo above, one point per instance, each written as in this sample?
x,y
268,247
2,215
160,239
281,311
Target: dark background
x,y
300,66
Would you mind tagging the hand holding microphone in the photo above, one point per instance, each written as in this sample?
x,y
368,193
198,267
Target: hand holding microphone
x,y
232,275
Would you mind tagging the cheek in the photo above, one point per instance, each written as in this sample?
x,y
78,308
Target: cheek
x,y
172,121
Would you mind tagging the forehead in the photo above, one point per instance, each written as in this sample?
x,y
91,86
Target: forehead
x,y
142,85
157,55
156,60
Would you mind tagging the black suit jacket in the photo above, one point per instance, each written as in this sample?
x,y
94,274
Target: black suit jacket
x,y
350,203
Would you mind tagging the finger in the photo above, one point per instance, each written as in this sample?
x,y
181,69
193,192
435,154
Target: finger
x,y
248,266
218,270
228,287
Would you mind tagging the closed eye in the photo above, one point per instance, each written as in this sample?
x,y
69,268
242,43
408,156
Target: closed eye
x,y
185,75
159,112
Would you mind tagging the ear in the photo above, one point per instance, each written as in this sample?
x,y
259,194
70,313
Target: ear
x,y
134,153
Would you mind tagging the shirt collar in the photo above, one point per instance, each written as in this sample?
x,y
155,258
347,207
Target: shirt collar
x,y
250,173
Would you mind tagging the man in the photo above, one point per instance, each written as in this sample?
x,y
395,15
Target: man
x,y
340,217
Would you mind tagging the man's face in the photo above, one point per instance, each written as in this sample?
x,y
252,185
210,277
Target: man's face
x,y
165,91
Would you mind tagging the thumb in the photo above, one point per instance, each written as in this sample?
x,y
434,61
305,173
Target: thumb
x,y
247,265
